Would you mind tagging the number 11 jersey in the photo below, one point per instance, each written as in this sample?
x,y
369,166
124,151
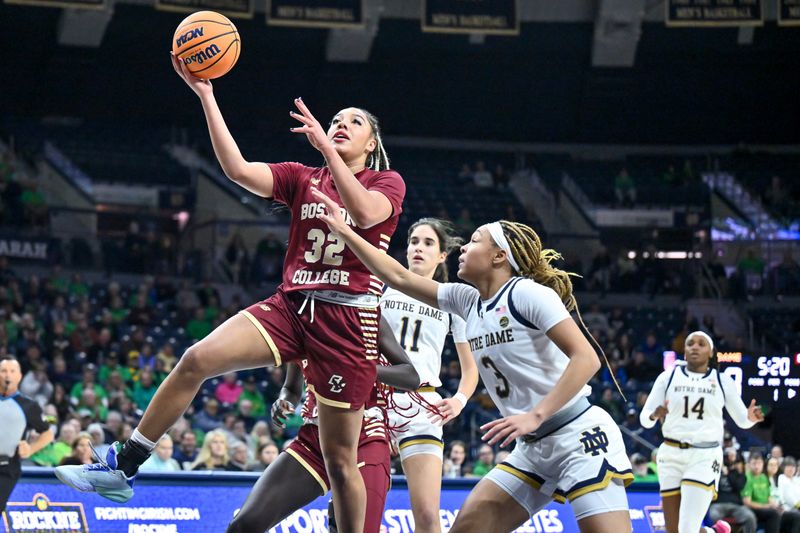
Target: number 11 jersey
x,y
317,259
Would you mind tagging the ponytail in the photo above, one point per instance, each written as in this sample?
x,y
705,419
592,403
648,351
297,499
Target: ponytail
x,y
535,263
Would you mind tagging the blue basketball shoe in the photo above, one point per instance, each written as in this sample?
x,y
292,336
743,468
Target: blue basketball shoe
x,y
103,477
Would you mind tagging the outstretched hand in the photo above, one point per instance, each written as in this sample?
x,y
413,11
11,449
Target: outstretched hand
x,y
198,85
754,412
333,216
448,408
661,412
311,126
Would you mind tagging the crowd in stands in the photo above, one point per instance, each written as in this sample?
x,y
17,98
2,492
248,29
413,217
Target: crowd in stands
x,y
93,355
21,201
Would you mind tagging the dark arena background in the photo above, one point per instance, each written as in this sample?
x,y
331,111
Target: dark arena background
x,y
655,144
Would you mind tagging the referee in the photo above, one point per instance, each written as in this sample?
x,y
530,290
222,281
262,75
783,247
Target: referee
x,y
18,415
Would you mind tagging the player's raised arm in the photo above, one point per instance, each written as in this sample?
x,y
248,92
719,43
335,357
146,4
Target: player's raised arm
x,y
366,207
254,176
377,261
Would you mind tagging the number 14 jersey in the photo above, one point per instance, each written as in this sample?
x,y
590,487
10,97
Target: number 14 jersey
x,y
695,404
317,259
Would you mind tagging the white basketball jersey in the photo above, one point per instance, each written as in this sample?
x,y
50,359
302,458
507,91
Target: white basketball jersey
x,y
421,331
695,406
518,362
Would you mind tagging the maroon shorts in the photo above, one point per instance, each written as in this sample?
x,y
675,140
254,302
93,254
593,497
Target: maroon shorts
x,y
374,463
340,345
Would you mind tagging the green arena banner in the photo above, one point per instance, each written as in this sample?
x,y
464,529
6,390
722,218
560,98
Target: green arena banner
x,y
229,8
76,4
489,17
714,12
789,12
316,13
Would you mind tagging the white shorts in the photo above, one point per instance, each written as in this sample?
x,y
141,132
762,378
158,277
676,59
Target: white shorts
x,y
698,467
412,430
584,457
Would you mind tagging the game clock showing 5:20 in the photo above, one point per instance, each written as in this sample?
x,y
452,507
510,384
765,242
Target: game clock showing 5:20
x,y
767,378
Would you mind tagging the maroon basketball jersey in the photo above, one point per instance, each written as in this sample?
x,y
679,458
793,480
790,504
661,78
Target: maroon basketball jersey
x,y
317,259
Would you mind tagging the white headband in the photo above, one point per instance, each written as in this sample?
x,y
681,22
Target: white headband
x,y
702,334
496,231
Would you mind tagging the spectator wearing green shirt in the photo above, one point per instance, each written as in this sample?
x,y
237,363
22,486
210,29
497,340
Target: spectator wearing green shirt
x,y
256,399
53,453
641,470
485,461
756,495
198,327
144,389
88,382
110,366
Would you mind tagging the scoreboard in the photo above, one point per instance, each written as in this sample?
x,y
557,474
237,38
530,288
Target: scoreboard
x,y
769,379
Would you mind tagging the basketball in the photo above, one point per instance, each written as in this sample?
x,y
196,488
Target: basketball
x,y
208,43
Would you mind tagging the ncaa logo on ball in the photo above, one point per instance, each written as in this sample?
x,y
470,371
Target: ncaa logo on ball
x,y
504,322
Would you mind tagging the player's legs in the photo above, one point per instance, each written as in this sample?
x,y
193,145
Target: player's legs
x,y
283,488
491,508
376,482
424,476
613,522
339,431
235,345
693,508
671,505
603,511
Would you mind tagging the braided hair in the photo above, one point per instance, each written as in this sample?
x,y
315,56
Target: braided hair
x,y
535,263
448,241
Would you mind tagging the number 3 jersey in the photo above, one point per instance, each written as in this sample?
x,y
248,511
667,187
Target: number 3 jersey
x,y
421,331
695,405
518,362
317,259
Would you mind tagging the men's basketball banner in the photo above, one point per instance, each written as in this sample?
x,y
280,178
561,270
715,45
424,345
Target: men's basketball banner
x,y
79,4
789,12
229,8
714,12
316,13
492,17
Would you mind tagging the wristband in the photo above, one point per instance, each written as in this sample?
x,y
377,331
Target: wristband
x,y
462,399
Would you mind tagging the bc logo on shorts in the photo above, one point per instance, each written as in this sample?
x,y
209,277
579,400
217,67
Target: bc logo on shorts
x,y
594,442
337,383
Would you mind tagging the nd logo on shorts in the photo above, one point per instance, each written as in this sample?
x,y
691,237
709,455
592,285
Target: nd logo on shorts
x,y
595,441
337,383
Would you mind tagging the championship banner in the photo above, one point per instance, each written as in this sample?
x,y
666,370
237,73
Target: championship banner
x,y
229,8
788,12
316,13
489,17
714,13
76,4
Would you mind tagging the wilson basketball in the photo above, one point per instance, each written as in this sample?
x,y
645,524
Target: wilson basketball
x,y
208,43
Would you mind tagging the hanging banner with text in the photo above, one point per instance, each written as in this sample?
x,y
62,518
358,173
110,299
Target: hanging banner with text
x,y
714,13
78,4
789,12
24,248
229,8
489,17
316,13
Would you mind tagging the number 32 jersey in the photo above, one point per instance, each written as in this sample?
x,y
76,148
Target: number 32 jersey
x,y
517,361
695,405
317,259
